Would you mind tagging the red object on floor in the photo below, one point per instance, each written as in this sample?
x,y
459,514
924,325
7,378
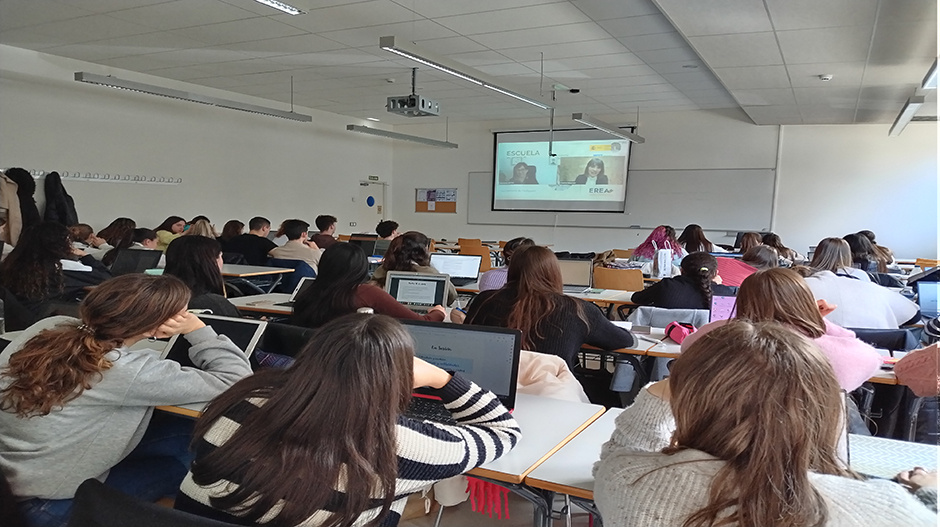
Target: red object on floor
x,y
486,496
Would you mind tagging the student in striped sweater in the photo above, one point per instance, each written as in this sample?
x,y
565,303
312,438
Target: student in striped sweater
x,y
324,443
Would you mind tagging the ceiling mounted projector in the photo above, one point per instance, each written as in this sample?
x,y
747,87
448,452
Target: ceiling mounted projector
x,y
413,105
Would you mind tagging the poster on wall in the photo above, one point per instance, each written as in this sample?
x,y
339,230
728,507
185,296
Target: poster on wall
x,y
436,200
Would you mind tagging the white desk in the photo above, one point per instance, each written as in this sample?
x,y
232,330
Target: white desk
x,y
609,296
263,303
242,271
885,458
569,471
547,425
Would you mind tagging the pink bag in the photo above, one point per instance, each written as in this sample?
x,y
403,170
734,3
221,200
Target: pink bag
x,y
678,331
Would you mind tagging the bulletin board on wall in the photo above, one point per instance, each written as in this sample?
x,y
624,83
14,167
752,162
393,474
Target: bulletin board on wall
x,y
436,200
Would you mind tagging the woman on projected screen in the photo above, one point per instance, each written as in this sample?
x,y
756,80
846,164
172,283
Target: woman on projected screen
x,y
593,174
523,174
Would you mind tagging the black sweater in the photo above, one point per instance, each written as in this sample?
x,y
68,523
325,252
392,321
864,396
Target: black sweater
x,y
563,330
680,292
73,286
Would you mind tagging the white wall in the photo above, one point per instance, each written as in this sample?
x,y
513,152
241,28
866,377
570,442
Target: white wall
x,y
233,164
832,179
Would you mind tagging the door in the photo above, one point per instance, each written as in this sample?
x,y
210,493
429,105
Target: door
x,y
371,206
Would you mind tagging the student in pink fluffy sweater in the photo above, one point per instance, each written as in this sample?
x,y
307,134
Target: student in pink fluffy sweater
x,y
782,295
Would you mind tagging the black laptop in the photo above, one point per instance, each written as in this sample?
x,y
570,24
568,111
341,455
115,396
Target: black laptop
x,y
130,261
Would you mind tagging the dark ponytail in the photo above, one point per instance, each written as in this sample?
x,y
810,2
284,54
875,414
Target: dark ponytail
x,y
702,267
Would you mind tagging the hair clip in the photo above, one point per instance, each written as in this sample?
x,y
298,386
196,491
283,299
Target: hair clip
x,y
87,329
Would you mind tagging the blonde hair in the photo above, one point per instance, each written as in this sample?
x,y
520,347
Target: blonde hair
x,y
201,228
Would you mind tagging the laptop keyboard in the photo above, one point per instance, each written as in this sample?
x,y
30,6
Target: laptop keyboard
x,y
429,410
574,289
458,282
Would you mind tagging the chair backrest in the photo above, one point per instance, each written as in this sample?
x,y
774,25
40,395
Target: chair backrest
x,y
926,263
469,241
284,339
659,317
97,505
485,264
889,339
234,258
622,279
502,244
344,237
301,270
623,253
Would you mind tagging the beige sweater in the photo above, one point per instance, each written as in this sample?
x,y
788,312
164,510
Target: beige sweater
x,y
637,486
296,250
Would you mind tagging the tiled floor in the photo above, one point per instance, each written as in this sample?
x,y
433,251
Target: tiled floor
x,y
520,515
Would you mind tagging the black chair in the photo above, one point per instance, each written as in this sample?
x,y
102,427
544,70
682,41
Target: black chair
x,y
16,316
284,339
97,505
234,258
889,339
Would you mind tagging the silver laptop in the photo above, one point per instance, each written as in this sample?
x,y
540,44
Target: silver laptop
x,y
244,332
576,275
927,298
462,268
416,291
302,286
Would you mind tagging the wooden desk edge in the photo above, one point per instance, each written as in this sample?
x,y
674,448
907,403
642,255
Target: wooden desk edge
x,y
262,309
258,273
180,411
557,487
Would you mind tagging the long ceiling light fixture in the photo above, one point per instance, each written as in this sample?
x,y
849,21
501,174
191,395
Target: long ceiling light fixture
x,y
280,6
930,80
907,113
584,118
451,67
114,82
396,135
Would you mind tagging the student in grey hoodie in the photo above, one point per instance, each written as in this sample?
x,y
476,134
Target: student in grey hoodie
x,y
77,403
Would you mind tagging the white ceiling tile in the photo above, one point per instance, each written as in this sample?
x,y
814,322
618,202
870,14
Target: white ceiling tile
x,y
899,43
335,57
685,54
615,90
843,74
567,50
709,83
22,14
223,83
774,114
907,11
838,44
593,62
90,52
178,58
185,73
826,115
607,9
884,97
834,97
543,35
644,80
148,43
809,14
104,6
770,97
716,17
637,25
679,67
369,36
182,13
513,19
450,45
273,47
480,58
239,31
437,8
500,70
887,75
745,49
753,77
86,29
27,39
349,16
875,116
717,106
654,41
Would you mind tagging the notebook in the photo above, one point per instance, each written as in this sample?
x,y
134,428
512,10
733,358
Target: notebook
x,y
927,293
418,292
722,308
302,286
130,261
576,275
485,355
462,268
245,333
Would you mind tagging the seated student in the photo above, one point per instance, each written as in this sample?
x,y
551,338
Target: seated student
x,y
662,237
410,252
253,245
298,247
551,322
201,227
231,229
753,441
7,248
197,261
325,442
693,289
884,256
146,240
171,229
861,304
496,278
781,295
327,225
340,289
117,230
761,257
83,237
749,241
76,402
387,229
693,240
44,266
834,254
789,255
864,256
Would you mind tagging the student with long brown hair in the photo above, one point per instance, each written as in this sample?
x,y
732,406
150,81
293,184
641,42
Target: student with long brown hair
x,y
758,416
834,254
325,442
781,295
693,240
76,401
693,289
496,278
117,230
749,241
410,252
551,322
773,240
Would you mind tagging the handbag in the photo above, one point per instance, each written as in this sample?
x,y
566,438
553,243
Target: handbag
x,y
678,331
662,261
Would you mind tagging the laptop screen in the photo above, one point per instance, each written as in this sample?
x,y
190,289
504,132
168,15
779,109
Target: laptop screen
x,y
302,286
722,308
487,356
365,242
417,290
135,261
457,265
576,272
380,247
243,332
927,293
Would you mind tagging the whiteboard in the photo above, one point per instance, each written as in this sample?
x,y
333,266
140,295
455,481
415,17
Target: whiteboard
x,y
716,199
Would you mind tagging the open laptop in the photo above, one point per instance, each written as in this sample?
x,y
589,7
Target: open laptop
x,y
366,242
488,356
130,261
381,246
462,268
244,332
722,308
927,293
416,291
576,275
302,286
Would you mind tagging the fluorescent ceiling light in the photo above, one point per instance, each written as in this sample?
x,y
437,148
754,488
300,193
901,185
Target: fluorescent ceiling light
x,y
396,135
114,82
280,6
907,113
412,52
930,81
372,119
584,118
